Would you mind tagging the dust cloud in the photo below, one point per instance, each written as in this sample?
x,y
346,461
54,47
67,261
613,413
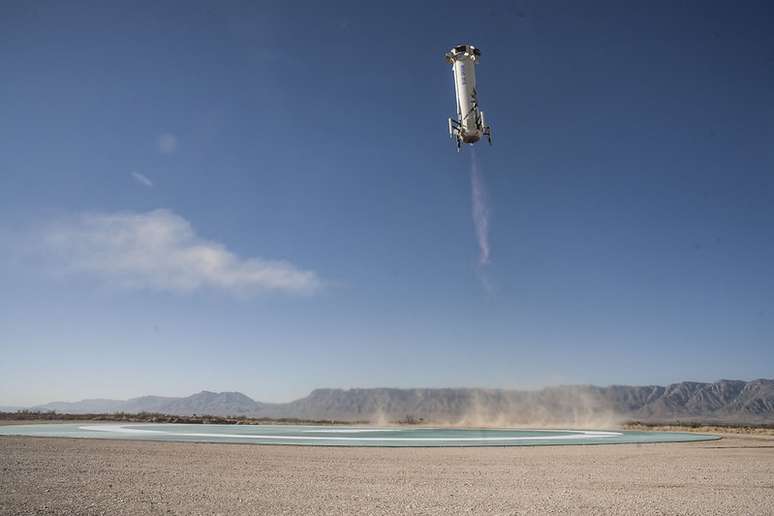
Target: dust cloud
x,y
578,407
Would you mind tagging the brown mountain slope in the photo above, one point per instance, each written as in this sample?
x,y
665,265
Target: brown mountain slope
x,y
725,400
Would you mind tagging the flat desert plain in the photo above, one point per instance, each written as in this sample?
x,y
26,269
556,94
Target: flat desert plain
x,y
734,475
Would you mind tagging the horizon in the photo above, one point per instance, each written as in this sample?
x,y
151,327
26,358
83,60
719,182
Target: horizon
x,y
197,194
262,400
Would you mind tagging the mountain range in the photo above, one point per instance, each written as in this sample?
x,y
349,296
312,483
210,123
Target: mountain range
x,y
721,401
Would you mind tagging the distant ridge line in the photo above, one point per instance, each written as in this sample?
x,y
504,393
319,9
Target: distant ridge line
x,y
724,400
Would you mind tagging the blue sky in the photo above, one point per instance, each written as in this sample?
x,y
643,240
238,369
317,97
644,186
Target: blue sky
x,y
263,197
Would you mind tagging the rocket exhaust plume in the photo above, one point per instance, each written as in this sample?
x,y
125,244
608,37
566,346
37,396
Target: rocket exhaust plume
x,y
480,209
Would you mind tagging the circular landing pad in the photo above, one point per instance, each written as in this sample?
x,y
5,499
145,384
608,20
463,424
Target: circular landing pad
x,y
347,435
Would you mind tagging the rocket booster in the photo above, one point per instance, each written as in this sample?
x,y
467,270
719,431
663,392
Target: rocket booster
x,y
469,126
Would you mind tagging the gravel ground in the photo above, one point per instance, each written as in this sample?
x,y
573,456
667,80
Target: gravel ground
x,y
87,476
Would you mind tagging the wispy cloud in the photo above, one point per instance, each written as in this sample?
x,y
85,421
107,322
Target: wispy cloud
x,y
160,250
142,179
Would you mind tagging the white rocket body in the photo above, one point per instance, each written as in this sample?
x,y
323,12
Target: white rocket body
x,y
469,126
465,87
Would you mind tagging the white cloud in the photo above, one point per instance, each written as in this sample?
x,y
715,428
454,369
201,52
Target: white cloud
x,y
142,179
167,143
160,250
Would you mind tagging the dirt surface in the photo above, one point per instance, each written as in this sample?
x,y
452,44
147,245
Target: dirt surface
x,y
87,476
703,429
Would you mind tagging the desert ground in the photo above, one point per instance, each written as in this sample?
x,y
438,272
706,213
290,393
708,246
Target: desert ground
x,y
83,476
